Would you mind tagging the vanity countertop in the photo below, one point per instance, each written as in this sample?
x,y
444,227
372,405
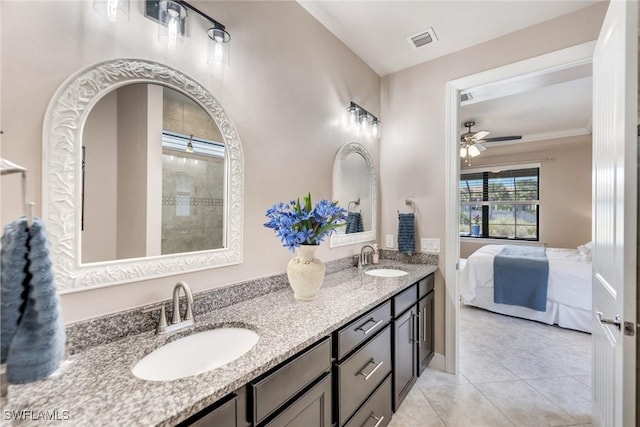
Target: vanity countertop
x,y
98,388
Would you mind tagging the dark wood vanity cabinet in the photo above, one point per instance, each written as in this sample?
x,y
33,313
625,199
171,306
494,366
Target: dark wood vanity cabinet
x,y
425,322
356,377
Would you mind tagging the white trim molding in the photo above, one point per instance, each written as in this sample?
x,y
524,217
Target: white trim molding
x,y
558,60
62,178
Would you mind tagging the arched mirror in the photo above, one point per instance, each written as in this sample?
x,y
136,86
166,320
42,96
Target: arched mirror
x,y
354,187
143,176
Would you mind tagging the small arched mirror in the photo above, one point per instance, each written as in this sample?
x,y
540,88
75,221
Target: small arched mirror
x,y
143,176
354,187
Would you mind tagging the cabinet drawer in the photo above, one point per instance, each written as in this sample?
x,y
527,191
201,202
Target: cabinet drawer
x,y
312,409
223,413
425,286
274,389
362,328
361,373
404,300
376,412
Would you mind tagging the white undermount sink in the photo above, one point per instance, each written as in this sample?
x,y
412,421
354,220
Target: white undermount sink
x,y
195,354
386,272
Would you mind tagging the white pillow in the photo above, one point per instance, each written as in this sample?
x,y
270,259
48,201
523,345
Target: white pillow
x,y
585,251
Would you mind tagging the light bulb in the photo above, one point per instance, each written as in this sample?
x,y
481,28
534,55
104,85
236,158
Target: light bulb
x,y
473,151
218,47
172,28
375,128
113,10
172,18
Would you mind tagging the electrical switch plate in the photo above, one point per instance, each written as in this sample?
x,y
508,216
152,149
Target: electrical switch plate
x,y
430,245
389,241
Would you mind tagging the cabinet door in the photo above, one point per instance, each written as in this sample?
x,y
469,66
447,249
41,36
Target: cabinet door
x,y
425,331
405,356
312,409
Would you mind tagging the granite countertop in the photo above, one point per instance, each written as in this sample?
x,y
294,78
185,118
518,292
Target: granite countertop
x,y
98,388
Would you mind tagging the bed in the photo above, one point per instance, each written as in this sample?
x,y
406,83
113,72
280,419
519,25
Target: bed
x,y
568,293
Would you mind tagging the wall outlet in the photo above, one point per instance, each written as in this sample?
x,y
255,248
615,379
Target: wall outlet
x,y
389,241
430,245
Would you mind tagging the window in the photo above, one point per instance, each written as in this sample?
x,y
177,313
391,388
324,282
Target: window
x,y
500,204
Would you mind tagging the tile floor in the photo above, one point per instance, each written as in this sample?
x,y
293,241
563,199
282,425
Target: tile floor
x,y
513,372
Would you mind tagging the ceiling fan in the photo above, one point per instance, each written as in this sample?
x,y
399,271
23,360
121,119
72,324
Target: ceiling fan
x,y
472,143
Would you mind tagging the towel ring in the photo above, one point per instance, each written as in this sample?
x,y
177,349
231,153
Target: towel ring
x,y
354,202
409,202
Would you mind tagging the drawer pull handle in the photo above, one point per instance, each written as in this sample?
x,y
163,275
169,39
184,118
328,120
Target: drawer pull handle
x,y
373,371
379,419
366,332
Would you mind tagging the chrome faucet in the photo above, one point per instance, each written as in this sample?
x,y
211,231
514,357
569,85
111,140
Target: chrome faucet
x,y
178,322
362,260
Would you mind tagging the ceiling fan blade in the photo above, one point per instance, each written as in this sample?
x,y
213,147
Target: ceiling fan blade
x,y
480,135
480,146
503,138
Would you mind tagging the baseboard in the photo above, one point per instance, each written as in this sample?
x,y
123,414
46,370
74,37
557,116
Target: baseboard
x,y
437,362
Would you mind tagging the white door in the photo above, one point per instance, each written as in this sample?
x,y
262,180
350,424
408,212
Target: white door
x,y
615,98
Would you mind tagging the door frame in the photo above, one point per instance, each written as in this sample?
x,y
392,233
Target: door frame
x,y
557,60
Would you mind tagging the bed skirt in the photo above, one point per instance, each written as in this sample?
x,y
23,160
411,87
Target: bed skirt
x,y
556,314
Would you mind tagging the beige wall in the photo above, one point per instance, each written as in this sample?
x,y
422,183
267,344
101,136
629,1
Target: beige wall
x,y
565,189
286,91
412,149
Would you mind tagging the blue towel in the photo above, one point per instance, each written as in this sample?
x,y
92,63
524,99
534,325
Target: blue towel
x,y
406,233
520,277
38,345
13,263
354,223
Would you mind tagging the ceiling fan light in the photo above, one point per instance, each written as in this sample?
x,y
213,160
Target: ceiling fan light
x,y
473,151
463,152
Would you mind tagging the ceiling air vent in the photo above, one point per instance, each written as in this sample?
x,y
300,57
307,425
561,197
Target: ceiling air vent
x,y
423,38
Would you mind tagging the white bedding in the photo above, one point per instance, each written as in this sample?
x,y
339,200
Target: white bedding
x,y
568,293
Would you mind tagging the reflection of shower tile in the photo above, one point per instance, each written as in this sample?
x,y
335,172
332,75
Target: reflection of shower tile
x,y
173,125
172,109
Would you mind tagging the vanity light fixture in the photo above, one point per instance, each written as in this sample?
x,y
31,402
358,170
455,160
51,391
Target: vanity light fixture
x,y
363,121
172,17
112,10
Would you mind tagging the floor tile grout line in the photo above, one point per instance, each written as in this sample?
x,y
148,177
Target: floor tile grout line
x,y
494,405
430,404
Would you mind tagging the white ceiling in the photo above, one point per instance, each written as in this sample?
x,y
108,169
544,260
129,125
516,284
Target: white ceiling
x,y
377,31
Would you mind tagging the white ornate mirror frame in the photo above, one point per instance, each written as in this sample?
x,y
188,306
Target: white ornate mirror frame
x,y
343,239
62,175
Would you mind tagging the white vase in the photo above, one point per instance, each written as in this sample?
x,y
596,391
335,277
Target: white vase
x,y
305,273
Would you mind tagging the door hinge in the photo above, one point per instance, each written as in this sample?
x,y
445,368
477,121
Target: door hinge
x,y
629,329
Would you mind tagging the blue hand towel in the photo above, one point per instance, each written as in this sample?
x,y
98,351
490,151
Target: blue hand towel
x,y
354,223
406,233
13,262
38,345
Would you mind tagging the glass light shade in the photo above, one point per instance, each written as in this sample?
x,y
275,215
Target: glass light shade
x,y
113,10
463,152
218,46
364,121
172,24
375,128
473,151
353,115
